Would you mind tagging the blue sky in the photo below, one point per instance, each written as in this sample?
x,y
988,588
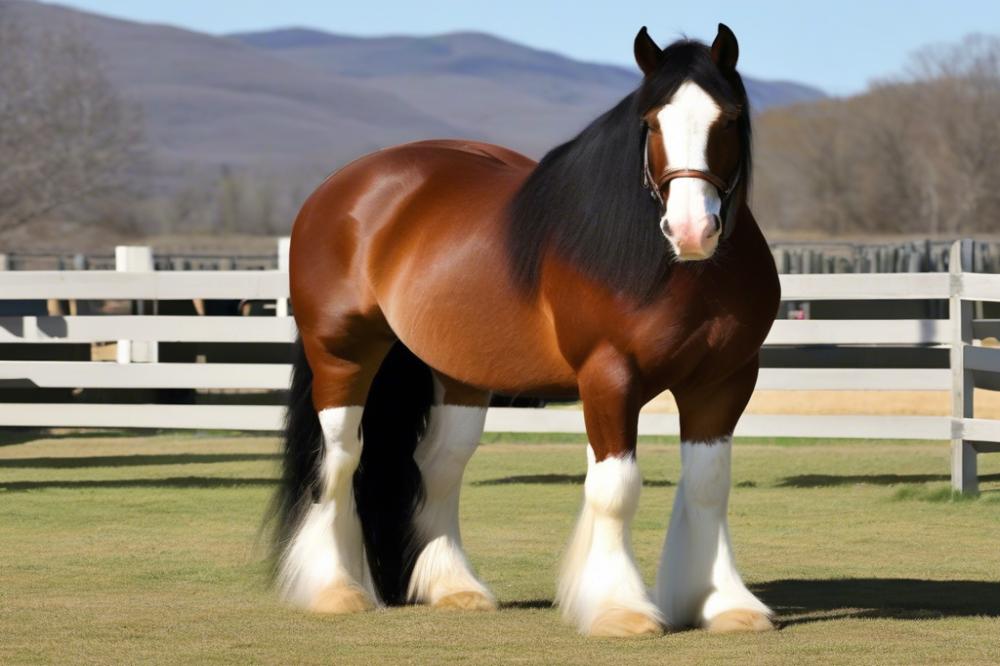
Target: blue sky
x,y
838,46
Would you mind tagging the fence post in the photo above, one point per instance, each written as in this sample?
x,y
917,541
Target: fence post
x,y
963,453
284,243
131,259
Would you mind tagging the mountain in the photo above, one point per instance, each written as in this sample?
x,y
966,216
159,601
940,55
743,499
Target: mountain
x,y
492,89
305,99
477,55
509,93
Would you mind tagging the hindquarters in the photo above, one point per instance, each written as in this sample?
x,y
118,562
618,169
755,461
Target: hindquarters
x,y
410,244
385,258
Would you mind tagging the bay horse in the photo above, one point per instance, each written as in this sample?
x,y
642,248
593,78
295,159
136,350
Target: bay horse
x,y
427,276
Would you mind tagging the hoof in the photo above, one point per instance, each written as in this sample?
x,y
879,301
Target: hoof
x,y
621,623
473,601
739,620
339,598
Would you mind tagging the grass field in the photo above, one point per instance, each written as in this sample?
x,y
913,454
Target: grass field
x,y
123,549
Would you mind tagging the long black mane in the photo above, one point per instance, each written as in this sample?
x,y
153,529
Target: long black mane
x,y
585,201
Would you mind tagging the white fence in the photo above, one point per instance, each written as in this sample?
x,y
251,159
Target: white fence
x,y
137,367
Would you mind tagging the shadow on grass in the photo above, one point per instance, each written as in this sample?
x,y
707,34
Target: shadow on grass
x,y
558,479
18,435
823,480
526,604
171,482
800,601
12,436
133,460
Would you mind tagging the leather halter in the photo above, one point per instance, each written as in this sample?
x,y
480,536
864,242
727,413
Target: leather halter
x,y
656,185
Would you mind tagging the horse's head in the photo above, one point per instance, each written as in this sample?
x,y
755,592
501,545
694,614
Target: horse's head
x,y
697,145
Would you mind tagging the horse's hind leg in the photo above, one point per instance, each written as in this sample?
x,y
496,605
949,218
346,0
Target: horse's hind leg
x,y
323,566
442,576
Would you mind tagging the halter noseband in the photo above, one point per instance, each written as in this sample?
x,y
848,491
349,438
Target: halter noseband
x,y
656,185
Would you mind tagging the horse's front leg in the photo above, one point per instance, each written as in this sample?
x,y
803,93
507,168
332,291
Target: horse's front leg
x,y
600,590
697,584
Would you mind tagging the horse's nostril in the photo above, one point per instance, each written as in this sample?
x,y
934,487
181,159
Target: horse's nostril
x,y
716,224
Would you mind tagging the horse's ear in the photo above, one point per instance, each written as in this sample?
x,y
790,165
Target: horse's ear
x,y
647,53
725,49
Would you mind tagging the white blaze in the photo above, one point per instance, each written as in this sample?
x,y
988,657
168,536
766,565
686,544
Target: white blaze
x,y
684,125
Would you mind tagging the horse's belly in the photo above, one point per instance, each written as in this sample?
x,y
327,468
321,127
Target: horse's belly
x,y
460,315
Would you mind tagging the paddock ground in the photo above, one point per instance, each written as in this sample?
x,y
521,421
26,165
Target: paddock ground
x,y
884,403
116,548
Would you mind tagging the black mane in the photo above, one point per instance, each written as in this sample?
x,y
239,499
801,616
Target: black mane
x,y
585,201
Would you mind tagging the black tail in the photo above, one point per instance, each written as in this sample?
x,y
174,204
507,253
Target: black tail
x,y
303,455
387,485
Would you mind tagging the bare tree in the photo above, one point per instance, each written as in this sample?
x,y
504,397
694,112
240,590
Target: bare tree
x,y
67,140
916,153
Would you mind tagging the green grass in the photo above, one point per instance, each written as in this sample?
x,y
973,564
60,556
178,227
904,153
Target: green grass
x,y
123,549
941,493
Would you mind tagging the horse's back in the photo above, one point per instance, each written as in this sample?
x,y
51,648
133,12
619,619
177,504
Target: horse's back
x,y
475,149
422,160
373,187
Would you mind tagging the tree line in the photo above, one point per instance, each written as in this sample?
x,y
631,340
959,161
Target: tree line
x,y
915,154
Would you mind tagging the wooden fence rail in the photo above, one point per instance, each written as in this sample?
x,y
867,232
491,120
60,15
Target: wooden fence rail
x,y
960,336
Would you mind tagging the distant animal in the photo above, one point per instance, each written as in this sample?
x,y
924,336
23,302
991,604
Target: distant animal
x,y
623,264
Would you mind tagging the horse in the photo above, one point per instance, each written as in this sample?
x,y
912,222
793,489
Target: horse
x,y
428,276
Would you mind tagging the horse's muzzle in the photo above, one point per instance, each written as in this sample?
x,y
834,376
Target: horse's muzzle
x,y
693,240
